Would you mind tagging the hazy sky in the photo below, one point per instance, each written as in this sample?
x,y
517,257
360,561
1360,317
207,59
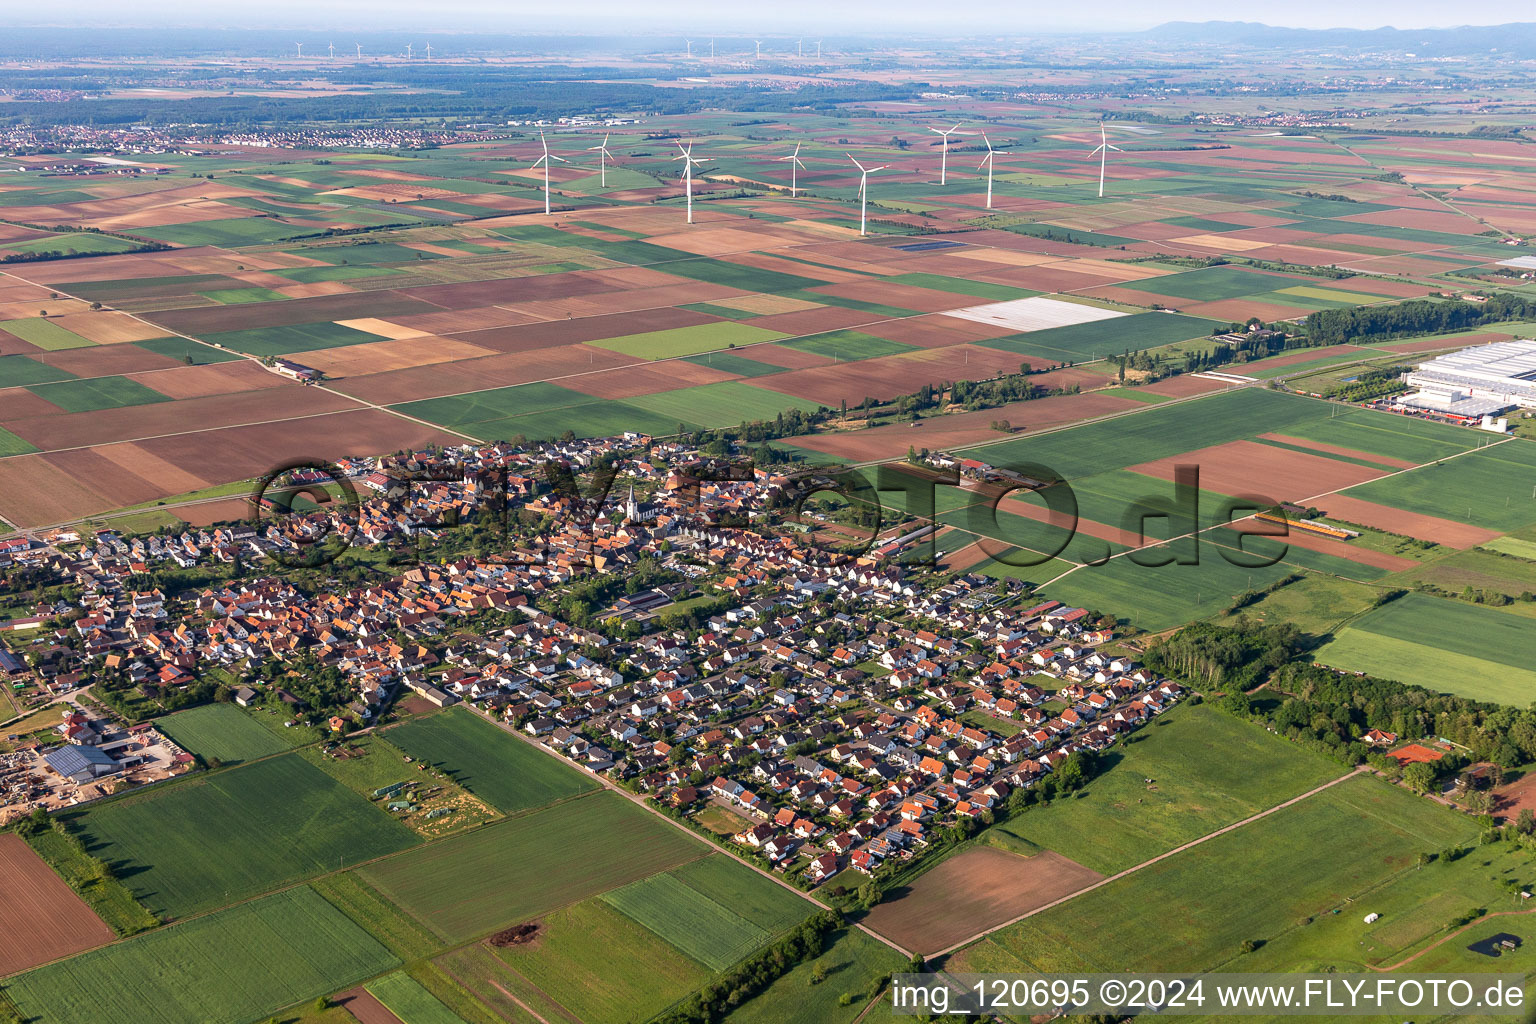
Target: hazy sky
x,y
600,17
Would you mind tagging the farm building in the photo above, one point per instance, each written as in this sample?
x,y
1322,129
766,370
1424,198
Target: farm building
x,y
1476,382
81,764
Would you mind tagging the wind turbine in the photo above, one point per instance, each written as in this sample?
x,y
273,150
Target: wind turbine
x,y
686,156
1103,150
759,43
711,47
794,164
545,159
429,51
864,173
359,51
332,48
603,156
799,47
986,162
944,152
818,49
408,51
301,49
688,43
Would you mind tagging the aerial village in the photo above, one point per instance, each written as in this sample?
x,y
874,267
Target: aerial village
x,y
819,711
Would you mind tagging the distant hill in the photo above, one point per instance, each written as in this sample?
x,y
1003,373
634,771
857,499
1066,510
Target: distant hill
x,y
1515,39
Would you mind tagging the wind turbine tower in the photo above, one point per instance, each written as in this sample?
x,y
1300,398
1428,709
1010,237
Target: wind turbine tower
x,y
359,51
301,50
688,49
409,51
864,173
686,156
545,159
1103,150
799,47
603,156
818,49
429,51
794,165
332,48
944,151
759,43
986,162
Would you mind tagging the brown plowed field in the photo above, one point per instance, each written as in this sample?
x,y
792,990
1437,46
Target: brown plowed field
x,y
383,356
108,328
21,402
956,429
936,331
365,1008
629,300
548,334
1334,449
814,321
1236,310
923,300
41,918
511,290
103,360
224,510
212,379
1030,508
1457,341
1346,549
1246,468
1182,386
789,358
457,321
973,891
477,374
1305,355
1410,524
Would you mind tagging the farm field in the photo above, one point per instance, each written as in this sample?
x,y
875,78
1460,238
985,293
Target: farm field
x,y
619,844
1208,770
854,964
222,732
1299,862
506,772
1443,645
41,917
299,947
404,997
203,843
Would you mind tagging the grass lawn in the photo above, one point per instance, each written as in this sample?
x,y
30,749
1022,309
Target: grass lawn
x,y
687,341
211,840
97,393
720,405
231,967
221,731
506,772
1193,911
45,334
407,1000
285,340
19,371
853,962
515,870
1207,768
602,966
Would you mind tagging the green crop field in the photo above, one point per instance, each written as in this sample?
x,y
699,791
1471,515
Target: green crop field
x,y
502,770
848,346
687,341
221,731
1103,338
1513,546
285,340
1443,645
515,870
210,841
10,444
97,393
1208,770
462,412
702,928
600,966
1490,488
404,997
45,334
180,349
1213,283
368,253
729,362
719,405
853,963
235,231
1193,910
232,967
19,371
746,892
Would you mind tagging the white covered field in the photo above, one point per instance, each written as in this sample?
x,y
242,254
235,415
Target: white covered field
x,y
1034,314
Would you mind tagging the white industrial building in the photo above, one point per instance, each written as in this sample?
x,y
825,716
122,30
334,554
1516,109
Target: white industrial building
x,y
1475,382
